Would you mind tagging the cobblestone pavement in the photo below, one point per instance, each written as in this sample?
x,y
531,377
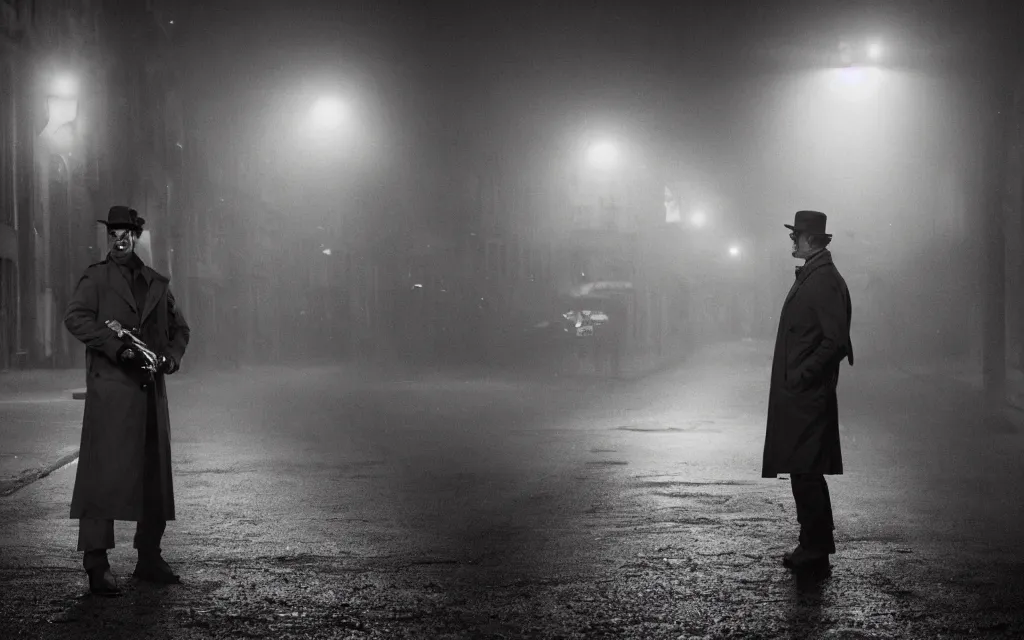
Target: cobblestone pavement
x,y
322,503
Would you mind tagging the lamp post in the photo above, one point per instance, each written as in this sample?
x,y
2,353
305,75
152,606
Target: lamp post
x,y
56,139
328,124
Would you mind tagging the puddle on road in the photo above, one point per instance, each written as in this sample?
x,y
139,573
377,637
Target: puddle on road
x,y
649,429
658,484
702,498
656,427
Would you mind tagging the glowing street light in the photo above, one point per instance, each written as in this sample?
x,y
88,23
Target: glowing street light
x,y
65,86
698,219
875,51
734,251
61,105
328,114
603,154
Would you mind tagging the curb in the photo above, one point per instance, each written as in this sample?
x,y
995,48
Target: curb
x,y
78,394
27,477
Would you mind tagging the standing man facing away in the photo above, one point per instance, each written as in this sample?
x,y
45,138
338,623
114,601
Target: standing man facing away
x,y
802,436
124,468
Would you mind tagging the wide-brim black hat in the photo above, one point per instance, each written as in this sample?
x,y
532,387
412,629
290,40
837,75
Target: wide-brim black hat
x,y
120,217
812,222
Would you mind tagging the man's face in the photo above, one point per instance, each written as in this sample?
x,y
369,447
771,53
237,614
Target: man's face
x,y
801,245
120,242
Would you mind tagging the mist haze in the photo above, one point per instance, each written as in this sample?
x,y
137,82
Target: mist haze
x,y
482,301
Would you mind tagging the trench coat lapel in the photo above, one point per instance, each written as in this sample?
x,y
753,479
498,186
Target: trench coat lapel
x,y
157,288
121,286
825,258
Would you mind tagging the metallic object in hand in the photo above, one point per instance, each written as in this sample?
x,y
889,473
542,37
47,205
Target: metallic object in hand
x,y
152,362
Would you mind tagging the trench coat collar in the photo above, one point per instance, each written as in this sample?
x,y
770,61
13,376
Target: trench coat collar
x,y
156,282
823,258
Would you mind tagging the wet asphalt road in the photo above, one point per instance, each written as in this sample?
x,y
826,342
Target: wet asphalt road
x,y
332,502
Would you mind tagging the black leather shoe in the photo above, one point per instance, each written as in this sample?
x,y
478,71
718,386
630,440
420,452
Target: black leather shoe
x,y
155,569
800,558
103,583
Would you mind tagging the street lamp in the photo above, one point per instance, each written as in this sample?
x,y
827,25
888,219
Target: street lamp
x,y
603,154
56,140
868,53
61,104
328,114
698,219
875,51
734,251
65,86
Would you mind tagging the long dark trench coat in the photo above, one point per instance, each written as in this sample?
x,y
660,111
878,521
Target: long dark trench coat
x,y
109,481
814,336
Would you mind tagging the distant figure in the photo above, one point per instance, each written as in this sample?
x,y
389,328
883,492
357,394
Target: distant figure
x,y
802,436
124,468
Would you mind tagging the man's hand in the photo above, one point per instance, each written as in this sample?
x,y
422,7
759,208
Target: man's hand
x,y
166,365
125,355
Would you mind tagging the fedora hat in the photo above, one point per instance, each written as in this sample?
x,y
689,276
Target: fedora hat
x,y
812,222
120,217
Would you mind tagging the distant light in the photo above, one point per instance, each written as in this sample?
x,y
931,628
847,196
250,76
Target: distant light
x,y
856,83
698,219
420,286
328,114
603,154
65,86
734,251
172,21
875,51
327,252
61,111
853,75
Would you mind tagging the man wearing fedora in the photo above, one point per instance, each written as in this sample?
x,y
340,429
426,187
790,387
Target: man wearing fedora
x,y
802,436
124,467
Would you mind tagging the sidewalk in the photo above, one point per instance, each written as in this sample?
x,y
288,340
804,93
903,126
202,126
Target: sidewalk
x,y
40,424
36,383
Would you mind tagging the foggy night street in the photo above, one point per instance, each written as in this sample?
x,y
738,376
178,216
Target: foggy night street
x,y
333,502
523,320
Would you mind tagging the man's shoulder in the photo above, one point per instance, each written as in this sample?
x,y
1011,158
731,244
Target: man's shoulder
x,y
826,272
156,275
96,268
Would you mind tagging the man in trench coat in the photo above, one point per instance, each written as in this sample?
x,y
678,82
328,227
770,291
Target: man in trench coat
x,y
802,436
124,467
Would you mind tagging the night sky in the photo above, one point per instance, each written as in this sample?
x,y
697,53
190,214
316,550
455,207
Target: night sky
x,y
447,86
482,63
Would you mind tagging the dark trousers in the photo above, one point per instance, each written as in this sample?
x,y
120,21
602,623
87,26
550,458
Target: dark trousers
x,y
813,512
96,535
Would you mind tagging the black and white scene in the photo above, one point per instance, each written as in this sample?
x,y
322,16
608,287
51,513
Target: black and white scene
x,y
511,319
